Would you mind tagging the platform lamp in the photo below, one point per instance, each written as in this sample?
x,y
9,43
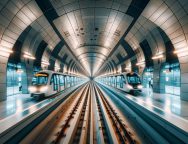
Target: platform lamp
x,y
44,64
181,52
28,56
5,51
140,63
158,57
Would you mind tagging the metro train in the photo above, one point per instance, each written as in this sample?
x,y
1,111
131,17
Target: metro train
x,y
48,83
128,82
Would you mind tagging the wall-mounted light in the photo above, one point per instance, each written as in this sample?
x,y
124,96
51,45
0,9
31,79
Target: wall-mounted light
x,y
45,63
57,68
140,63
128,68
157,57
28,55
6,50
181,51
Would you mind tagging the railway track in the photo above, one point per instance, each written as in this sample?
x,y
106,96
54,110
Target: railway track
x,y
118,130
72,126
87,118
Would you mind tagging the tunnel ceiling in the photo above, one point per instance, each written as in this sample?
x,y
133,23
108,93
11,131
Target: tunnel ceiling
x,y
100,34
92,28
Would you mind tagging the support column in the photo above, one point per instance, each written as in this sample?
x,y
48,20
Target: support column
x,y
3,78
184,78
24,80
158,79
27,78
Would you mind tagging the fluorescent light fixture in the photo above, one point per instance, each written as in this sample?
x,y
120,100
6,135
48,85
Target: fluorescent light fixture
x,y
45,63
128,68
57,68
157,57
6,50
140,63
181,50
28,55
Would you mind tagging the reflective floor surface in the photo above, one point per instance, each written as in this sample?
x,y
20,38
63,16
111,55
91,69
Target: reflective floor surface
x,y
168,107
14,104
169,103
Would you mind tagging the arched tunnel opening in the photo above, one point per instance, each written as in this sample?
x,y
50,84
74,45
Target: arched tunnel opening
x,y
94,66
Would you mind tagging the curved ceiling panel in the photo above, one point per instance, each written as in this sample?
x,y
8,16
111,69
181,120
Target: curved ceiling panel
x,y
92,55
88,27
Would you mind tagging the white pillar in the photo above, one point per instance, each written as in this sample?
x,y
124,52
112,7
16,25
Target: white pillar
x,y
3,80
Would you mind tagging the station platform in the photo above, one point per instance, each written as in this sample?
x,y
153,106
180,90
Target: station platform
x,y
18,103
14,104
169,103
169,108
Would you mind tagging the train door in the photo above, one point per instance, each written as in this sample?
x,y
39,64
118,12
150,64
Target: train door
x,y
115,81
110,81
72,80
68,82
118,81
58,83
121,81
65,81
52,87
55,82
61,82
124,81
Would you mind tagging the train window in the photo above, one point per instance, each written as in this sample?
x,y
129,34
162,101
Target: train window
x,y
133,79
40,79
121,81
61,80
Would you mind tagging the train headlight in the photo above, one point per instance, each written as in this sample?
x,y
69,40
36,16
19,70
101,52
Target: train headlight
x,y
32,89
140,86
129,87
43,89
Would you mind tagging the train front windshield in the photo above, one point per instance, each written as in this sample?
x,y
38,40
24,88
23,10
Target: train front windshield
x,y
40,79
133,79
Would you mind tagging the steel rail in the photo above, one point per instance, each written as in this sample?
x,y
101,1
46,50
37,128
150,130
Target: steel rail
x,y
62,132
124,135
